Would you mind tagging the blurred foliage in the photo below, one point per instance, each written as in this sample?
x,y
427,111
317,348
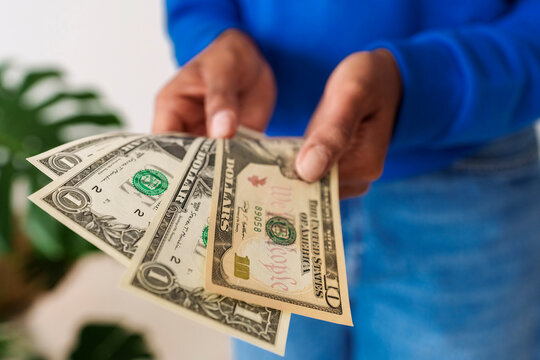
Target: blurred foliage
x,y
103,342
14,344
35,249
95,342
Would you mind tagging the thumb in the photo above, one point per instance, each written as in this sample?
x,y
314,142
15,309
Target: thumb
x,y
221,102
329,134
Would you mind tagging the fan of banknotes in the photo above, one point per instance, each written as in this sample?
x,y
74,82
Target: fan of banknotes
x,y
220,231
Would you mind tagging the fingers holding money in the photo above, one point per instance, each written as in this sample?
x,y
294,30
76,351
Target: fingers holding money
x,y
353,123
227,85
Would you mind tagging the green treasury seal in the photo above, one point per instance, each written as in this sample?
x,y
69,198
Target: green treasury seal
x,y
281,231
150,182
205,236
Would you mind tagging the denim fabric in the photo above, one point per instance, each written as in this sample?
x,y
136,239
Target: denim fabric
x,y
440,266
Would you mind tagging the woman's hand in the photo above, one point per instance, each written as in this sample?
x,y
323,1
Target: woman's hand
x,y
353,122
227,84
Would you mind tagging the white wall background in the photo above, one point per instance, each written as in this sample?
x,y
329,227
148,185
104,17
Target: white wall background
x,y
118,47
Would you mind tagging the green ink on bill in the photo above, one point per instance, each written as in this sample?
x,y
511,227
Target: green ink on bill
x,y
281,231
150,182
205,235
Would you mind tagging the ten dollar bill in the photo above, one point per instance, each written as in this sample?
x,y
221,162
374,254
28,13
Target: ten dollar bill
x,y
275,240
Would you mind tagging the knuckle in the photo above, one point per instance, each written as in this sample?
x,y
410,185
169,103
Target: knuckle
x,y
335,137
227,58
364,189
349,191
163,99
355,89
362,58
376,172
217,97
372,169
190,69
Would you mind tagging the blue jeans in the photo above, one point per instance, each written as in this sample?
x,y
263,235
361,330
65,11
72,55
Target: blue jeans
x,y
440,266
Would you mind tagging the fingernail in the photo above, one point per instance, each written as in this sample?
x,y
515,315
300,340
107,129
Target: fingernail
x,y
222,124
313,164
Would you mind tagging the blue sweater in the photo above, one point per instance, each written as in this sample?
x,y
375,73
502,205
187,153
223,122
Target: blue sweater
x,y
470,68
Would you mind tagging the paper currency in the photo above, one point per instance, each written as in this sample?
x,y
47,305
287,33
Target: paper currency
x,y
111,199
169,266
275,240
63,158
220,231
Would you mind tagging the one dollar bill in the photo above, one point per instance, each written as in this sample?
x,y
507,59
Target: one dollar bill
x,y
169,266
61,159
275,240
110,199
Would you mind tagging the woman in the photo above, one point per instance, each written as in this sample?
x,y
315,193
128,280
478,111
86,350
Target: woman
x,y
429,105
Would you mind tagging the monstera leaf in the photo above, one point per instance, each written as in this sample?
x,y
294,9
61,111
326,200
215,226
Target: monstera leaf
x,y
35,250
109,342
28,128
95,342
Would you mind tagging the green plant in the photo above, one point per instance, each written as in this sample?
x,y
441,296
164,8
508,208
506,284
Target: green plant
x,y
95,341
14,344
105,341
33,242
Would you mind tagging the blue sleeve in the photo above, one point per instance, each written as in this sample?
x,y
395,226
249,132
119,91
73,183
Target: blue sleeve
x,y
193,24
469,85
